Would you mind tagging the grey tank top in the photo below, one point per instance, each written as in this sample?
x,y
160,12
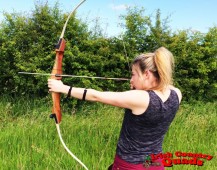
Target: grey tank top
x,y
142,135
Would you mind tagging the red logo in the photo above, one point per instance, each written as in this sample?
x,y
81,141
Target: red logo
x,y
184,158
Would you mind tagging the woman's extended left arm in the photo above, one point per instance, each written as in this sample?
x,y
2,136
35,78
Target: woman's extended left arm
x,y
133,99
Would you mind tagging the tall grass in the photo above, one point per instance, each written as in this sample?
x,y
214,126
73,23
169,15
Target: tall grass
x,y
28,137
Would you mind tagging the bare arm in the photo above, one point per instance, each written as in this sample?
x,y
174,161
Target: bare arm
x,y
136,100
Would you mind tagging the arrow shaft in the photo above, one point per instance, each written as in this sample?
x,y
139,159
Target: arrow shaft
x,y
65,75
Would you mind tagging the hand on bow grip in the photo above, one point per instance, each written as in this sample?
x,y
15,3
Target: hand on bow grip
x,y
56,86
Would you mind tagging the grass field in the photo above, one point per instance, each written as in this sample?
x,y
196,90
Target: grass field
x,y
29,140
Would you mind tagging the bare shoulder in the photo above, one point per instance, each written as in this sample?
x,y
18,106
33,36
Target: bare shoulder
x,y
179,93
141,101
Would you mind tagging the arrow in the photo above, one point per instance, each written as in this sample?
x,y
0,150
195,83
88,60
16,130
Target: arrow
x,y
65,75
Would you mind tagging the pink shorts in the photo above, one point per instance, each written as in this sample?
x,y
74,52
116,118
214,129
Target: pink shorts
x,y
120,164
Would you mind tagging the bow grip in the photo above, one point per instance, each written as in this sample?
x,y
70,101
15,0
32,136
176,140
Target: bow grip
x,y
57,69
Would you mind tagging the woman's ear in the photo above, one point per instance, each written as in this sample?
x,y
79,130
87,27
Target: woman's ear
x,y
146,74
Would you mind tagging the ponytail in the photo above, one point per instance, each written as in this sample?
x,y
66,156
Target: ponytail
x,y
164,62
160,63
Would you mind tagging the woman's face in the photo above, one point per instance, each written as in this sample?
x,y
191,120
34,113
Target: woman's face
x,y
136,81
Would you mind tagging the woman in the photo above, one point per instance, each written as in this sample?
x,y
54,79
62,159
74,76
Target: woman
x,y
150,106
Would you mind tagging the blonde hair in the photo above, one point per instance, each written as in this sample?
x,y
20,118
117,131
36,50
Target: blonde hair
x,y
160,63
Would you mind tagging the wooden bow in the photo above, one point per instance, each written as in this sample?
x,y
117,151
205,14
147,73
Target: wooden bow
x,y
57,70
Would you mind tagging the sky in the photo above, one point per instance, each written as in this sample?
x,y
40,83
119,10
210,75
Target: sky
x,y
197,15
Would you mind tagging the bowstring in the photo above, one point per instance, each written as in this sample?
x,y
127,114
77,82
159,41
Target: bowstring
x,y
128,63
125,52
106,146
122,39
67,149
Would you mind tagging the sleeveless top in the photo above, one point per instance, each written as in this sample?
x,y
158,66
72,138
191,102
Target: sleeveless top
x,y
142,135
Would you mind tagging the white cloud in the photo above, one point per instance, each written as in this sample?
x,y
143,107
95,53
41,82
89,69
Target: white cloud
x,y
118,7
